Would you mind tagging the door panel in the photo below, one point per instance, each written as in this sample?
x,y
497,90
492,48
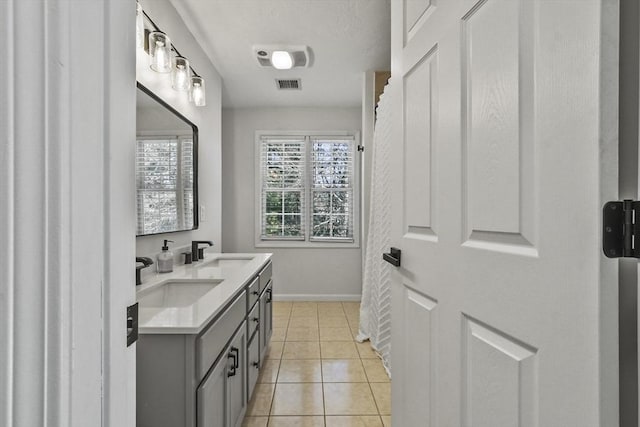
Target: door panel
x,y
504,151
497,121
420,94
499,378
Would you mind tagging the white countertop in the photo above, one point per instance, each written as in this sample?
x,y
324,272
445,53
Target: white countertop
x,y
191,319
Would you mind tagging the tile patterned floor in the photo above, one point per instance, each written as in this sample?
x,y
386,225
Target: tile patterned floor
x,y
316,374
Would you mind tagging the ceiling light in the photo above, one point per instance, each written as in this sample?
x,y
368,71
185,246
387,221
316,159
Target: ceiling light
x,y
180,74
281,59
160,52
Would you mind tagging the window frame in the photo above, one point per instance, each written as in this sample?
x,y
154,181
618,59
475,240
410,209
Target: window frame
x,y
309,241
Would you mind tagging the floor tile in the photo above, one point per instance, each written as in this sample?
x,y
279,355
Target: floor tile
x,y
260,403
304,309
354,421
280,321
275,350
279,334
375,371
386,420
349,399
304,322
343,371
330,309
300,371
302,334
293,421
269,371
338,350
298,399
333,322
255,422
366,351
281,308
382,394
335,334
301,350
351,306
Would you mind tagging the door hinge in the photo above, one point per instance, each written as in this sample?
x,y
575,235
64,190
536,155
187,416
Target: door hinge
x,y
361,148
132,324
620,228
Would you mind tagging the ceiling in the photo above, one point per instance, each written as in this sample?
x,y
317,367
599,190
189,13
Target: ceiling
x,y
346,38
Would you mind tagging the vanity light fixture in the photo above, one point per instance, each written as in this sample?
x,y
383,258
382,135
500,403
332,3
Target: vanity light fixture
x,y
197,94
180,74
139,26
281,60
160,52
165,58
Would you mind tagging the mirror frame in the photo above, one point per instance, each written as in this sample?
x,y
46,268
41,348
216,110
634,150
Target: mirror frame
x,y
194,128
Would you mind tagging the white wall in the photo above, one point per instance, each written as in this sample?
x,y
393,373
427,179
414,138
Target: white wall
x,y
298,273
208,120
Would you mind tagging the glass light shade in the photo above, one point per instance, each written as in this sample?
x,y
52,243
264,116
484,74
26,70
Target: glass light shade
x,y
197,94
282,60
180,74
139,27
160,52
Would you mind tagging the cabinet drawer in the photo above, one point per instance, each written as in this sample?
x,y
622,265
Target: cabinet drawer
x,y
253,292
265,276
253,368
213,340
253,321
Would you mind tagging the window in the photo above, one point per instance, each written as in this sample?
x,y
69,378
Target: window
x,y
307,187
164,184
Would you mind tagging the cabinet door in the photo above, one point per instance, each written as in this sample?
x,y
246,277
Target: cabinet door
x,y
211,395
268,315
253,364
237,378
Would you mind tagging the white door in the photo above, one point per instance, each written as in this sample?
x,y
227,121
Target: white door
x,y
504,308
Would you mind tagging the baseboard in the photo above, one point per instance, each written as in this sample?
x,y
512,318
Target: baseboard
x,y
316,297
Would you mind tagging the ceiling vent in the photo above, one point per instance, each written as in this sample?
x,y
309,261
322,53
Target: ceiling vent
x,y
289,84
301,55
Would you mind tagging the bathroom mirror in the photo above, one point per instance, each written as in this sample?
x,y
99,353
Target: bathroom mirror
x,y
166,167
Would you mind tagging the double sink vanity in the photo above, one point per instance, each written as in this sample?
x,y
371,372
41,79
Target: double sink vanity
x,y
204,331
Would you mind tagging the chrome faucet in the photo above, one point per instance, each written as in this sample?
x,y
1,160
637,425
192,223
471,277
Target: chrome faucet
x,y
146,262
198,253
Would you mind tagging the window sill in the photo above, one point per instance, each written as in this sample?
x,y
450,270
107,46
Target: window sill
x,y
300,244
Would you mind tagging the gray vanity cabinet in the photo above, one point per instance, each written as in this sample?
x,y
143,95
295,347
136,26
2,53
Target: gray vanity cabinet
x,y
206,379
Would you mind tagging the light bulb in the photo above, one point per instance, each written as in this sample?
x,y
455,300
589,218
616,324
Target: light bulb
x,y
139,27
281,60
160,52
180,74
197,94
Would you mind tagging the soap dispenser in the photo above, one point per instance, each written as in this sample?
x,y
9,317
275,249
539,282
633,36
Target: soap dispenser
x,y
165,259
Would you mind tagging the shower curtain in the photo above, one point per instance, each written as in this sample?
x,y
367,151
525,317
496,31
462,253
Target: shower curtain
x,y
375,308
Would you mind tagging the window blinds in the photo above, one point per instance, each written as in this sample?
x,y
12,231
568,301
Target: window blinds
x,y
164,185
332,188
282,171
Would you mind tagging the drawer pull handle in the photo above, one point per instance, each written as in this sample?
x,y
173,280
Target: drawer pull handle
x,y
256,319
255,293
236,358
256,365
232,371
269,295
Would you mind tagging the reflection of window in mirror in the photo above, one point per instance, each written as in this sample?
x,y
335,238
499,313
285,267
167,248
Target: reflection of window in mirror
x,y
166,167
164,183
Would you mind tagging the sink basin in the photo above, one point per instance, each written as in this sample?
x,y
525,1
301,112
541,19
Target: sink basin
x,y
177,293
227,262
